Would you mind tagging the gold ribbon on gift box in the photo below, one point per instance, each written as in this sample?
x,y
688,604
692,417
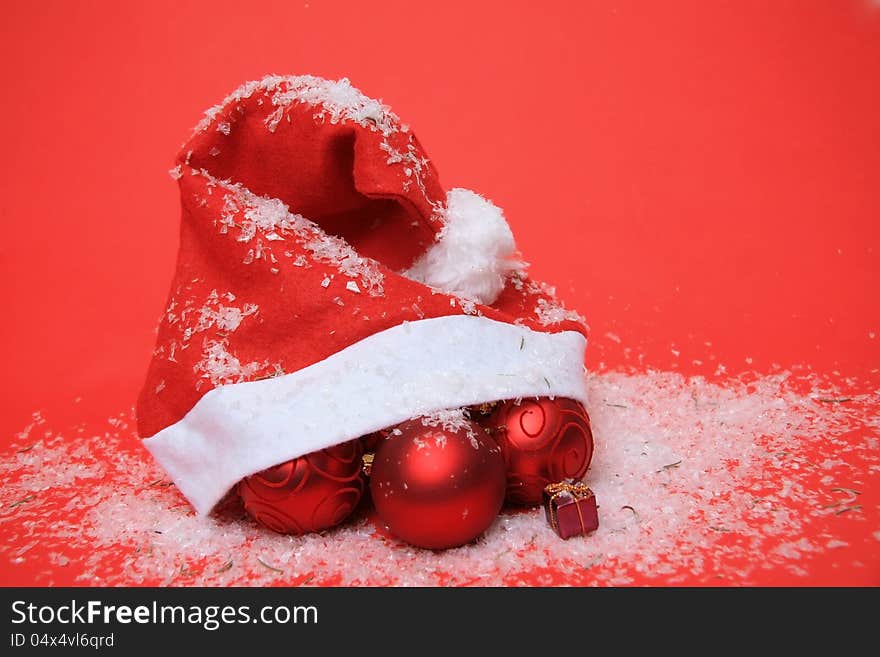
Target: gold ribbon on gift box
x,y
367,465
578,491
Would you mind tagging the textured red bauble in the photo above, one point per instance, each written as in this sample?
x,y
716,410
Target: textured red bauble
x,y
307,494
544,441
438,486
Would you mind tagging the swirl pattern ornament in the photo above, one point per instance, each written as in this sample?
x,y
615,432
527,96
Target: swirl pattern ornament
x,y
544,441
306,494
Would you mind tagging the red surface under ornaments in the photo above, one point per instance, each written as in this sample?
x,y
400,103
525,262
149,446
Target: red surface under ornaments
x,y
700,180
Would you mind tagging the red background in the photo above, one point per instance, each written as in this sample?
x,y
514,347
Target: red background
x,y
686,172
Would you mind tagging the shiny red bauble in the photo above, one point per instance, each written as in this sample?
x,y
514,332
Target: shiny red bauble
x,y
438,486
306,494
544,441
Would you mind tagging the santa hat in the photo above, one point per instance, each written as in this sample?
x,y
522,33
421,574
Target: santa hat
x,y
327,287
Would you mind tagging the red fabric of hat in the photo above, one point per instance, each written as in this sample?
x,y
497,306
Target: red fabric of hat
x,y
327,287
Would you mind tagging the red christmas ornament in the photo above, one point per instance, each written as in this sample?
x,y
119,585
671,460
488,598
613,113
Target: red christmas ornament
x,y
544,441
438,487
307,494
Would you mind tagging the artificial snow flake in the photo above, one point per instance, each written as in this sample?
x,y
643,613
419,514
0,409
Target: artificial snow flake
x,y
336,101
220,366
551,312
468,307
452,420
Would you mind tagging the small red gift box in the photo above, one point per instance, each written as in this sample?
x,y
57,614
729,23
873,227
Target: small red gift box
x,y
571,509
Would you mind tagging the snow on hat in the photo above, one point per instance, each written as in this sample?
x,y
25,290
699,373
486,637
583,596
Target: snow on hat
x,y
327,287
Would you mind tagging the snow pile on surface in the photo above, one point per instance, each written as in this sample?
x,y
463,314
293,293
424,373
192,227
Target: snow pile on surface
x,y
696,482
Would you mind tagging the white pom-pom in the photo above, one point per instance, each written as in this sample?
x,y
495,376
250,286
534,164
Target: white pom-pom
x,y
473,253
